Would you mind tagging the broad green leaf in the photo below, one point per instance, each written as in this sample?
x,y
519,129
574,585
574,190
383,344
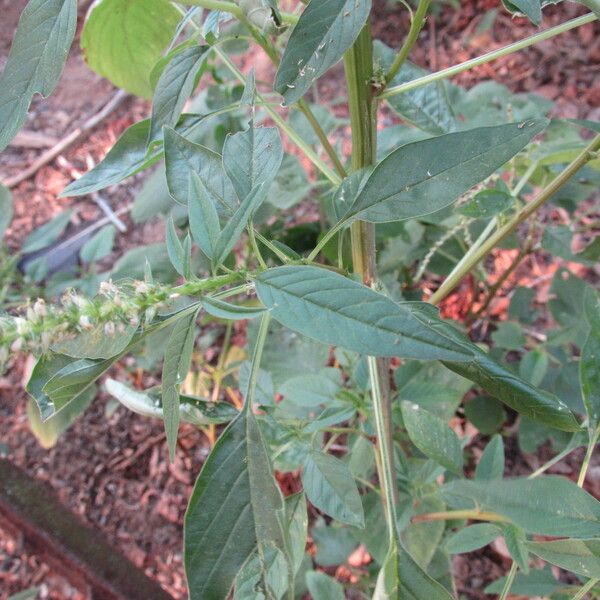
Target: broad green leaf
x,y
231,312
237,223
192,409
486,413
323,587
96,343
259,579
491,463
426,176
330,487
183,158
472,538
235,506
47,234
47,432
127,157
175,86
203,217
123,39
338,311
539,583
252,157
579,556
546,505
37,57
426,107
589,365
100,245
515,540
325,31
531,8
6,209
178,355
433,437
310,390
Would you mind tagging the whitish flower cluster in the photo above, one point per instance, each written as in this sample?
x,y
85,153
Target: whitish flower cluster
x,y
115,307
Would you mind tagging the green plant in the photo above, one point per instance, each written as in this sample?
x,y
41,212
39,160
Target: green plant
x,y
448,190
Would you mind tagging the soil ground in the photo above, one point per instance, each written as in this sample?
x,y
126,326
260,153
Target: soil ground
x,y
113,470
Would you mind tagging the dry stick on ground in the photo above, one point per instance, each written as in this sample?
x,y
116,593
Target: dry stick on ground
x,y
68,140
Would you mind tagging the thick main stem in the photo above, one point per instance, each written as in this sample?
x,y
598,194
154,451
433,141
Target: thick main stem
x,y
358,64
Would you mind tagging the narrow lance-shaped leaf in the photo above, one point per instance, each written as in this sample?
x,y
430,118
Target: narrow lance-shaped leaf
x,y
236,225
325,31
175,248
178,355
37,57
426,176
236,506
174,87
203,217
546,505
433,437
338,311
589,365
252,157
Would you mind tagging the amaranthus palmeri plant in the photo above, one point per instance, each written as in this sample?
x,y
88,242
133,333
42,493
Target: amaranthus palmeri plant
x,y
451,181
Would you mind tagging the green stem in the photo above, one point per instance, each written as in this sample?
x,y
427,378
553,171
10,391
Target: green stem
x,y
460,515
235,10
585,589
509,581
261,338
588,457
488,57
416,25
474,257
254,245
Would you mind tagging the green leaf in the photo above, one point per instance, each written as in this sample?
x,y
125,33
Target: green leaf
x,y
589,365
338,311
178,356
127,157
546,505
515,541
203,217
579,556
47,432
192,409
540,582
433,437
415,584
231,312
6,209
330,487
175,86
491,463
426,107
320,38
183,158
472,538
323,587
486,204
530,8
236,225
297,518
235,506
100,245
95,343
252,157
47,234
36,60
310,390
123,39
487,414
509,336
426,176
175,248
534,366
